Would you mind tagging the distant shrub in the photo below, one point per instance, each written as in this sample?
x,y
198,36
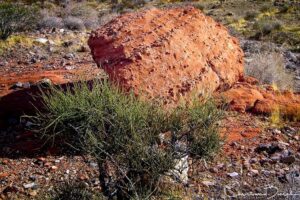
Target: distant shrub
x,y
125,134
91,24
268,68
73,23
82,11
289,39
15,18
250,15
265,27
12,41
284,9
74,191
128,4
86,13
51,22
265,7
106,17
199,6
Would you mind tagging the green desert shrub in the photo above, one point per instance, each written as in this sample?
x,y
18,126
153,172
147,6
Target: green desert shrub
x,y
15,18
73,191
203,118
125,133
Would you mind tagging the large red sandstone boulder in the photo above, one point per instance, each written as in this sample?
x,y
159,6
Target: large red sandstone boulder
x,y
168,54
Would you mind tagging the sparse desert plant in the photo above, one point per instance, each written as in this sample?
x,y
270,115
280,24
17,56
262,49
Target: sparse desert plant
x,y
91,24
51,22
199,6
106,17
208,142
73,23
265,7
250,15
265,27
275,117
284,8
14,40
15,18
83,11
74,191
86,13
133,3
124,133
268,68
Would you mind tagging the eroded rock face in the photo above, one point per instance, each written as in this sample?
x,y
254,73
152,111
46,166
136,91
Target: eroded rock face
x,y
247,96
168,54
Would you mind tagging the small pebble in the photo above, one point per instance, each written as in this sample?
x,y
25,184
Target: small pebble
x,y
54,168
29,185
233,174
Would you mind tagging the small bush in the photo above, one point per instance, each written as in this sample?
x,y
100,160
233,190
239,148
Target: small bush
x,y
87,14
199,6
91,24
124,134
106,17
208,142
268,68
51,22
265,27
14,40
250,15
132,4
73,23
15,18
74,191
265,8
275,117
284,9
83,11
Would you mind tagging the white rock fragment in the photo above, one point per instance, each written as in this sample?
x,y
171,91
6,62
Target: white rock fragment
x,y
233,174
41,40
29,185
181,169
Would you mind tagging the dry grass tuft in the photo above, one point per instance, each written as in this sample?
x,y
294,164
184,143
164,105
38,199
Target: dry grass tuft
x,y
268,68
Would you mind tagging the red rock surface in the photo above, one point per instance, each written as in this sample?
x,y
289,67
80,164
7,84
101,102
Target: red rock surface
x,y
168,54
17,101
247,96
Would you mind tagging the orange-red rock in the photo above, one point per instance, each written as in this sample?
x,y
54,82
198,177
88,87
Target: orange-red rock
x,y
246,96
168,54
17,101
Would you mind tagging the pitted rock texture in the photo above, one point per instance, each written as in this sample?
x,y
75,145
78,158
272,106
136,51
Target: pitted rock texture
x,y
168,54
248,96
